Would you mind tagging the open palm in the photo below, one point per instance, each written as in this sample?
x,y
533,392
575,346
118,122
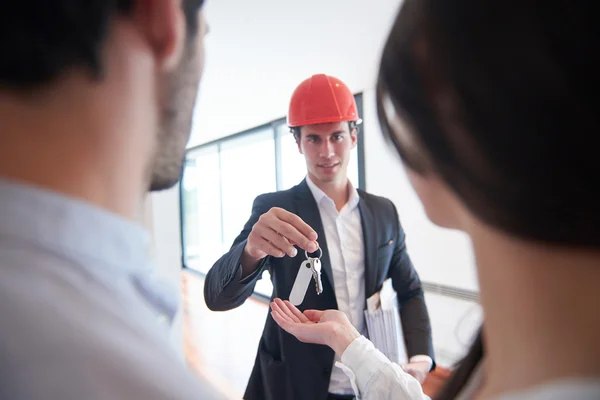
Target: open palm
x,y
312,326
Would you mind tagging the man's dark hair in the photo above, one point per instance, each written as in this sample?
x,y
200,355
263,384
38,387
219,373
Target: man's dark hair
x,y
40,39
296,131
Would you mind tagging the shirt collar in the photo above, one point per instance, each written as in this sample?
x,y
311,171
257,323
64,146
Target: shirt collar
x,y
319,195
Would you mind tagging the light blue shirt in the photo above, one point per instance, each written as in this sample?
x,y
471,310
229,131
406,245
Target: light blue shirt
x,y
79,311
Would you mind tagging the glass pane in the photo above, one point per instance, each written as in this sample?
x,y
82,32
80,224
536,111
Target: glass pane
x,y
202,209
293,166
247,170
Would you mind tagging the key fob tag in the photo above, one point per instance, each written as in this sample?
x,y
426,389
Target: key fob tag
x,y
301,283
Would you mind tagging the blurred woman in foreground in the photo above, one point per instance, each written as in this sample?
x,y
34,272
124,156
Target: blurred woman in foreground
x,y
493,107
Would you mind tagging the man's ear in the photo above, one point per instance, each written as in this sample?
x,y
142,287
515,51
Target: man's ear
x,y
354,137
299,144
297,132
163,24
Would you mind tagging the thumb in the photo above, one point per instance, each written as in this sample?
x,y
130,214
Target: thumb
x,y
314,315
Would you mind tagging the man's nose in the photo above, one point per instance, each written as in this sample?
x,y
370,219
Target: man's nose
x,y
326,149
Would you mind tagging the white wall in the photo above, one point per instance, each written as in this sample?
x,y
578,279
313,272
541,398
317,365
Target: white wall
x,y
442,256
166,236
439,255
257,52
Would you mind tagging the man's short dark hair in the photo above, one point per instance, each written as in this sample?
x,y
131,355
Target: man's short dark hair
x,y
41,39
297,129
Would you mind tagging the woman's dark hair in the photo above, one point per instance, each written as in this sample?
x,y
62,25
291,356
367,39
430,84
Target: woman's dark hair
x,y
501,100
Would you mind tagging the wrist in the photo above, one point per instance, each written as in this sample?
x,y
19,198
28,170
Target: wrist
x,y
249,262
341,337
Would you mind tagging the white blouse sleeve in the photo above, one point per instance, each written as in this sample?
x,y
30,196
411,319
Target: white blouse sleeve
x,y
374,376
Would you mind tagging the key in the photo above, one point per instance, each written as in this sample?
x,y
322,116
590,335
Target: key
x,y
315,266
310,268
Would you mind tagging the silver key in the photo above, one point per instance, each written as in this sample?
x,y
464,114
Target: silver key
x,y
315,266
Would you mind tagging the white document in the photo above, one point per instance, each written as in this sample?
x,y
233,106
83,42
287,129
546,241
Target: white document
x,y
384,325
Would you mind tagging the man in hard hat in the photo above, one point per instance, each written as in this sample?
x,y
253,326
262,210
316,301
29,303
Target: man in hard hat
x,y
362,244
96,102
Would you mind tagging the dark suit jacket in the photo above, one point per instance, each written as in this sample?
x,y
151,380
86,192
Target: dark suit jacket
x,y
286,368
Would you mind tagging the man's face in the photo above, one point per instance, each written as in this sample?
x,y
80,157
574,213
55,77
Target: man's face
x,y
327,149
179,97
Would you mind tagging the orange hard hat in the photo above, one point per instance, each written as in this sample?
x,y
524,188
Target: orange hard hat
x,y
321,99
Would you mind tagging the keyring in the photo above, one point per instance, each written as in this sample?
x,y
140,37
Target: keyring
x,y
318,248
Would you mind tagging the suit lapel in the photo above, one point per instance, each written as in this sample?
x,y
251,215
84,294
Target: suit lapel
x,y
370,243
307,209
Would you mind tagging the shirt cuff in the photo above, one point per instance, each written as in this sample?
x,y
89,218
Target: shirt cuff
x,y
422,358
364,360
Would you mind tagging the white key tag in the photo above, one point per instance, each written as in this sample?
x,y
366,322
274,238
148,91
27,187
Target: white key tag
x,y
303,278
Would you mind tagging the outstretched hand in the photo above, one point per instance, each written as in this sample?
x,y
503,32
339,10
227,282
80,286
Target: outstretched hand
x,y
330,327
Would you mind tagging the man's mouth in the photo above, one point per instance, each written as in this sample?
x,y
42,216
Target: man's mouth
x,y
329,165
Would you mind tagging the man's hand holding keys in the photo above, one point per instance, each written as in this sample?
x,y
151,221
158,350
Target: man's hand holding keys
x,y
275,234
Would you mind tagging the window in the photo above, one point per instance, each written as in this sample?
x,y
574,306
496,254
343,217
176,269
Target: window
x,y
221,180
246,171
293,166
201,206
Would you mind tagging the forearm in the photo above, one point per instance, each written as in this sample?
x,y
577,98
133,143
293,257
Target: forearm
x,y
249,263
416,326
375,376
225,287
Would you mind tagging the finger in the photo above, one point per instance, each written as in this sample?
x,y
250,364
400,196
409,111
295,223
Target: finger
x,y
296,312
287,311
302,332
276,307
314,315
296,222
281,321
263,245
291,227
282,307
294,235
276,240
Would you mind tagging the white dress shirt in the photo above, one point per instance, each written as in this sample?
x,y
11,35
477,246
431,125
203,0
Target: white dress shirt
x,y
344,235
345,244
374,377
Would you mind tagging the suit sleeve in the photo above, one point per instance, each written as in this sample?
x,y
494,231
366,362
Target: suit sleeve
x,y
413,311
224,288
